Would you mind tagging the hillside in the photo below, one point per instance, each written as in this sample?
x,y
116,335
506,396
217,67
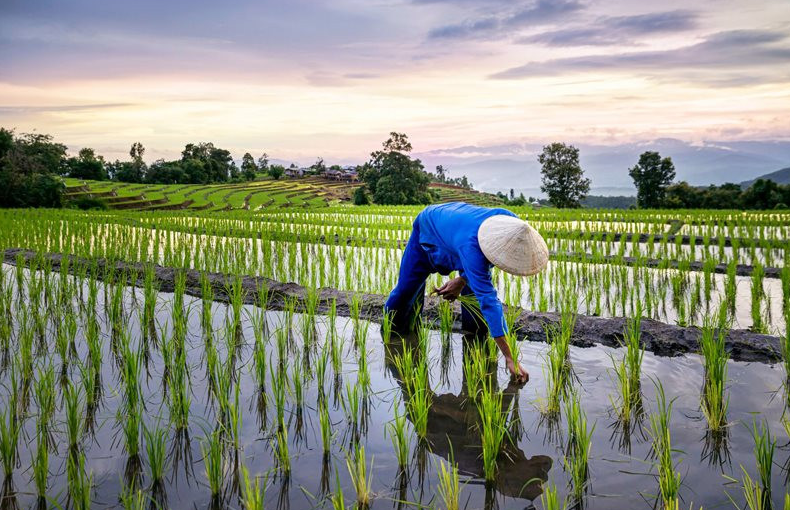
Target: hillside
x,y
305,192
780,177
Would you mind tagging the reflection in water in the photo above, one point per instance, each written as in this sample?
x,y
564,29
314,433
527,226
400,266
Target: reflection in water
x,y
454,432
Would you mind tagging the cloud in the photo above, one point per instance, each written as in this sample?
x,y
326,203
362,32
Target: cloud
x,y
617,30
738,53
499,26
61,108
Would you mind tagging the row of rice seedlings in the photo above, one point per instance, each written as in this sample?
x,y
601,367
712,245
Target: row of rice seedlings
x,y
492,427
668,476
577,451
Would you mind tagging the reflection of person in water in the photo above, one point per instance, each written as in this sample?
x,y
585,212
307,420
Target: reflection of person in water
x,y
471,240
453,429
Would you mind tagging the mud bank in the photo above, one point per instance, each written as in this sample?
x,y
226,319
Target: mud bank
x,y
657,337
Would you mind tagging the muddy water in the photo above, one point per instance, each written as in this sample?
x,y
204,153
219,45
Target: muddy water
x,y
622,476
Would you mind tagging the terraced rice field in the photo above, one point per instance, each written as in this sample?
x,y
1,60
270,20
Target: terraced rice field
x,y
237,356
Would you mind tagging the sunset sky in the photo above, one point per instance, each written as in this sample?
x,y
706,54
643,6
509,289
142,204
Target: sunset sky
x,y
301,79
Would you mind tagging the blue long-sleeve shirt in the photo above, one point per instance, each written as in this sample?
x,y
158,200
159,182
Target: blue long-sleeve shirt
x,y
448,234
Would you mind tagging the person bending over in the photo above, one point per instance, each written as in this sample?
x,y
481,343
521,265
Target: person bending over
x,y
471,240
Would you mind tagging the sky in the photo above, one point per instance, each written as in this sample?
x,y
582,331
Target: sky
x,y
303,79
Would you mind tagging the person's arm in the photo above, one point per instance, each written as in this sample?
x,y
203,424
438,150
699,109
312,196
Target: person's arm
x,y
477,276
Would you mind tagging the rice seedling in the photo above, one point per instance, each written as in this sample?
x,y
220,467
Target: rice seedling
x,y
155,448
492,428
764,448
713,402
45,398
40,465
281,452
550,498
515,352
396,430
253,495
449,488
361,477
338,499
79,482
214,460
628,370
74,416
386,326
668,476
325,426
133,498
279,383
475,369
577,451
9,439
131,420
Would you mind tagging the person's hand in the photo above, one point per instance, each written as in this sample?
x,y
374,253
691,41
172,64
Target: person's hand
x,y
518,373
450,290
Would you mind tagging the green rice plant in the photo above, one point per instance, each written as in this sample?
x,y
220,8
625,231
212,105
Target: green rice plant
x,y
214,460
558,376
156,450
668,476
550,498
133,498
446,318
396,430
179,396
74,416
297,382
253,495
259,363
449,488
515,351
475,369
282,455
758,324
336,354
325,425
279,383
9,439
44,390
361,478
386,326
40,464
752,493
492,428
764,447
337,498
131,419
712,346
79,482
419,399
352,403
628,369
577,452
320,371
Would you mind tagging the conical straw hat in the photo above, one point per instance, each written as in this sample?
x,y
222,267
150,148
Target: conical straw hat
x,y
512,245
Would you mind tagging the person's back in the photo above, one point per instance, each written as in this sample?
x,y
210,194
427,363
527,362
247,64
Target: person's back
x,y
448,229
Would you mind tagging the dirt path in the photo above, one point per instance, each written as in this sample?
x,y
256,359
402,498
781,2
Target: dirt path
x,y
659,338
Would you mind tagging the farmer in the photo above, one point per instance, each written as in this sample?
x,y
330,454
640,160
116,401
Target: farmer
x,y
468,239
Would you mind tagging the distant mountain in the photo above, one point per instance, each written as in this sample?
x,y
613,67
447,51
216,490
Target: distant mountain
x,y
501,167
779,177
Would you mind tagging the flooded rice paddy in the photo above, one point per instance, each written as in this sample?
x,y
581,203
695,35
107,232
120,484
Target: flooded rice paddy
x,y
346,369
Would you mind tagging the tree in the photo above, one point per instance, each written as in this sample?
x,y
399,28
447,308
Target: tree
x,y
29,164
762,194
652,175
393,177
276,171
87,166
248,167
563,178
361,196
318,167
263,163
441,173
